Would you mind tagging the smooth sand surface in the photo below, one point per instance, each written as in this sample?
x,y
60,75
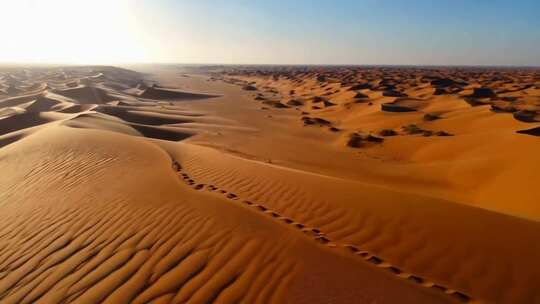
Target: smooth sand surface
x,y
269,185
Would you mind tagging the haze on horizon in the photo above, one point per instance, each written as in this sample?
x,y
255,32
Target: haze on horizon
x,y
418,32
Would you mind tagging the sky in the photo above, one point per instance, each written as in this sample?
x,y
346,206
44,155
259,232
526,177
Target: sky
x,y
408,32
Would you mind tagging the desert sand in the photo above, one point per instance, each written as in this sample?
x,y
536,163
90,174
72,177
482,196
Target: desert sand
x,y
248,184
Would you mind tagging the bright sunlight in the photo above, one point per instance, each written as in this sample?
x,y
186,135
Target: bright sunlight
x,y
70,31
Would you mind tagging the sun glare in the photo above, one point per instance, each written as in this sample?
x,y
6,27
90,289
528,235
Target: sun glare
x,y
70,31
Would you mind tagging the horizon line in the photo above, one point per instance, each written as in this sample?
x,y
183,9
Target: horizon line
x,y
120,64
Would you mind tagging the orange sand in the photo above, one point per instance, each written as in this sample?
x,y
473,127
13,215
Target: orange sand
x,y
269,185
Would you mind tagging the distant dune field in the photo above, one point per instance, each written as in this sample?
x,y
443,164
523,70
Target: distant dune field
x,y
172,184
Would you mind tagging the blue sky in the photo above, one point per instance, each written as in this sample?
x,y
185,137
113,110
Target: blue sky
x,y
474,32
433,32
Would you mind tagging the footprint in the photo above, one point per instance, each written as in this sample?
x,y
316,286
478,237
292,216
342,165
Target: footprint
x,y
310,232
199,187
260,207
287,220
273,214
363,253
461,296
394,269
322,239
415,279
176,166
439,287
374,260
299,225
352,248
232,196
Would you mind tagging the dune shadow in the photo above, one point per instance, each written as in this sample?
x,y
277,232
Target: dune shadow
x,y
533,131
392,107
20,121
9,140
139,118
86,95
161,133
158,93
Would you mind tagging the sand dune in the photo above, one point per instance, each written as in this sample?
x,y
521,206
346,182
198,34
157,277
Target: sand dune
x,y
86,95
21,121
162,93
276,185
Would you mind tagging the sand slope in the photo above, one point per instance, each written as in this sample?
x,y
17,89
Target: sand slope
x,y
97,235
